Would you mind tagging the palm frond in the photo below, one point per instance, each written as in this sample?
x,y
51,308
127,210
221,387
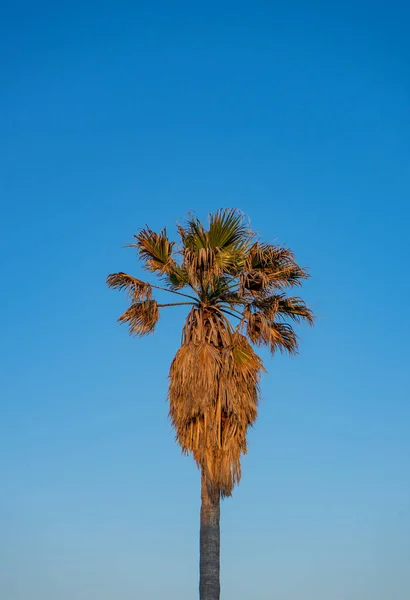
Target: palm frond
x,y
222,249
177,278
284,338
294,308
155,251
228,229
135,288
280,306
263,331
206,325
141,317
268,305
193,234
270,267
201,266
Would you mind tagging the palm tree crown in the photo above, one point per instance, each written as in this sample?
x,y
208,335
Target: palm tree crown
x,y
236,287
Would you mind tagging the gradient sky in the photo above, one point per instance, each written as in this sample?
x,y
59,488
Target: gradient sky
x,y
118,114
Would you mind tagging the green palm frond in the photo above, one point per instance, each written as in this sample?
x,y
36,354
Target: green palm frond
x,y
155,251
228,229
209,254
224,290
193,235
177,278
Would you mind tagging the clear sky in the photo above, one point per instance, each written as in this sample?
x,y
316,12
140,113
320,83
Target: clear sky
x,y
118,114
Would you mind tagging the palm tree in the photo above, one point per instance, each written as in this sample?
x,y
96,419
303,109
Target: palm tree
x,y
235,286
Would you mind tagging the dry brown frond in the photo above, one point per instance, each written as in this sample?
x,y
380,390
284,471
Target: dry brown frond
x,y
206,324
270,267
135,288
141,317
194,373
282,307
213,397
284,338
263,331
201,265
294,308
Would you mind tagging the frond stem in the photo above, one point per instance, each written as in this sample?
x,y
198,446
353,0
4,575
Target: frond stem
x,y
226,312
233,283
157,287
175,304
233,310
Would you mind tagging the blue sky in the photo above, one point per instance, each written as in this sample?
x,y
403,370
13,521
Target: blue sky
x,y
118,114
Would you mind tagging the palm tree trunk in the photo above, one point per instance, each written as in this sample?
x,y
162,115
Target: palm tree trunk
x,y
209,543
